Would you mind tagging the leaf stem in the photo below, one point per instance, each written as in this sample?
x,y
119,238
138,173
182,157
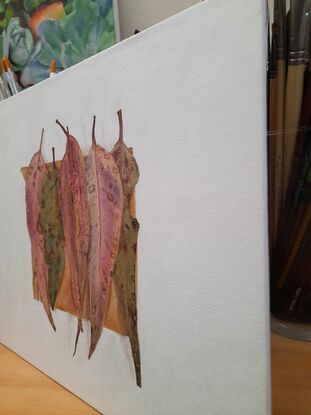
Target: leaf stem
x,y
93,130
53,152
41,140
66,132
120,125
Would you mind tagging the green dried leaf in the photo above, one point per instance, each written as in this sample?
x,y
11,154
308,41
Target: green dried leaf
x,y
124,276
124,273
52,227
126,163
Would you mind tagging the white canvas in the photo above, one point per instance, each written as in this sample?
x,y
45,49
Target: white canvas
x,y
192,91
140,14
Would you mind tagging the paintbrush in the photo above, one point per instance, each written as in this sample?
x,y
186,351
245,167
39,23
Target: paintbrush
x,y
272,135
3,88
11,75
280,28
297,218
52,68
295,207
296,284
299,15
7,77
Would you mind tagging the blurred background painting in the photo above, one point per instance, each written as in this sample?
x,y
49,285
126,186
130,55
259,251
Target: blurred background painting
x,y
33,33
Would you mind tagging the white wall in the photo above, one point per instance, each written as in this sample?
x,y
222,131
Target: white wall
x,y
197,125
140,14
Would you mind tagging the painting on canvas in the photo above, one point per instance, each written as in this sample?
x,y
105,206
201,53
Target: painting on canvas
x,y
35,32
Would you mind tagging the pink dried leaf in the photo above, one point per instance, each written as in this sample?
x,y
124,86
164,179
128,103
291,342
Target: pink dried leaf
x,y
74,209
105,198
34,183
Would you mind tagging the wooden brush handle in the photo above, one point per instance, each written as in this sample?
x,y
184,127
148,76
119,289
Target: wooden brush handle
x,y
294,94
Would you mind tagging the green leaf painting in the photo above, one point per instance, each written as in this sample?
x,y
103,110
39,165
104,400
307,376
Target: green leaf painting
x,y
37,32
52,228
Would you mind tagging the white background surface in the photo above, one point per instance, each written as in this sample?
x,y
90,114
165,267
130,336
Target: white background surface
x,y
140,14
192,94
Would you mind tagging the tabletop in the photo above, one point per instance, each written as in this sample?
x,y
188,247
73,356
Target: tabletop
x,y
24,390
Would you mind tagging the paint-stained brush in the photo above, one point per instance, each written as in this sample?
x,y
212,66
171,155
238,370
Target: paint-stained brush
x,y
52,68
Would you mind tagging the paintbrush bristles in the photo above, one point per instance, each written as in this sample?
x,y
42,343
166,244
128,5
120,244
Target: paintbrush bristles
x,y
53,66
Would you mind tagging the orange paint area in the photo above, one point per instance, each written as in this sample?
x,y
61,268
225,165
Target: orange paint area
x,y
53,11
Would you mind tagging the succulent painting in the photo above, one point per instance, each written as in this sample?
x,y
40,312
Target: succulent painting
x,y
35,32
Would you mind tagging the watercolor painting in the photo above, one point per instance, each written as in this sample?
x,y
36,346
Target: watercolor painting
x,y
83,233
35,32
